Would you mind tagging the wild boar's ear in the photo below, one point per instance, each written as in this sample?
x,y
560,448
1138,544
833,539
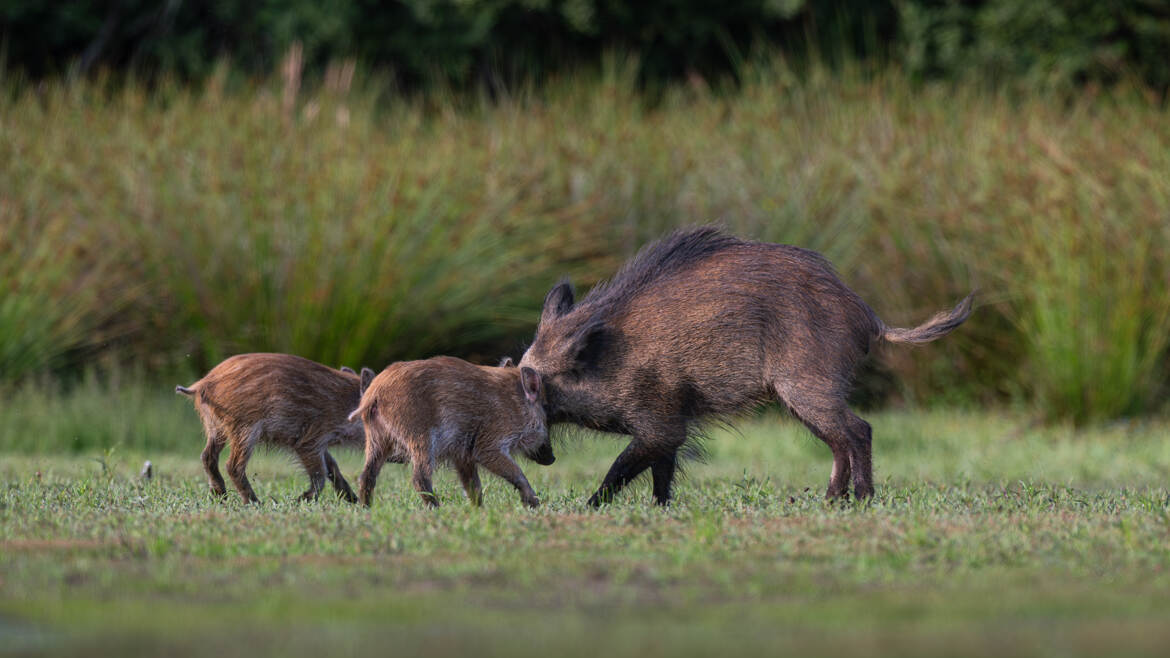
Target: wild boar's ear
x,y
506,362
347,369
367,377
588,344
530,382
558,301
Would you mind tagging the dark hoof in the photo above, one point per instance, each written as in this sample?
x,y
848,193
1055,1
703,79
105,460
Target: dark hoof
x,y
598,499
863,493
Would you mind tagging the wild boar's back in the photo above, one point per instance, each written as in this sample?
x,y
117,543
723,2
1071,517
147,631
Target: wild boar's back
x,y
710,322
286,389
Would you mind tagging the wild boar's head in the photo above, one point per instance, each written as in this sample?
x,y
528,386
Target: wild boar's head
x,y
568,344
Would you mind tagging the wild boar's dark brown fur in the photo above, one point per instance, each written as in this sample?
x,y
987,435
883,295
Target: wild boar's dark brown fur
x,y
703,324
448,410
281,400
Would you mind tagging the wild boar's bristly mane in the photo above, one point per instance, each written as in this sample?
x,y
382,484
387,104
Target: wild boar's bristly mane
x,y
656,261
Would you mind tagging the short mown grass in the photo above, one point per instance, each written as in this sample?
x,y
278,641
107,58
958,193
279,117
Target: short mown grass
x,y
989,534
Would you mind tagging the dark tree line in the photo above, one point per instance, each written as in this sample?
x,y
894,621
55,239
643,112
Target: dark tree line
x,y
491,42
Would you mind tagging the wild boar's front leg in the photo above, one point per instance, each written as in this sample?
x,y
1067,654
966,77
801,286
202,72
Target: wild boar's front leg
x,y
657,448
662,471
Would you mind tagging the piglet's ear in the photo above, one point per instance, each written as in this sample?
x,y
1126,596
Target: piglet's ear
x,y
506,362
367,377
530,382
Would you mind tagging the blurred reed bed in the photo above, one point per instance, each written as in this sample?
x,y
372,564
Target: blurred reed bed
x,y
333,219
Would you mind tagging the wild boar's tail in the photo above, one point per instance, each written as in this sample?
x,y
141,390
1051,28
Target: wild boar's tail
x,y
938,326
183,390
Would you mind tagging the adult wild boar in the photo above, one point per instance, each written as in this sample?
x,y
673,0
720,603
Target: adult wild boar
x,y
701,324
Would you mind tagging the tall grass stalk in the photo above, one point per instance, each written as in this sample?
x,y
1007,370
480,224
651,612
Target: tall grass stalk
x,y
351,226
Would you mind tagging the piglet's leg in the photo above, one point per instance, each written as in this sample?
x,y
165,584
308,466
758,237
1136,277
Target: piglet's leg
x,y
422,481
375,457
338,480
503,466
469,476
419,447
314,464
210,457
237,465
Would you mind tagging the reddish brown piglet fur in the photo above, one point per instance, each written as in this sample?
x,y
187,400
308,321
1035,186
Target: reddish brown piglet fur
x,y
446,409
281,400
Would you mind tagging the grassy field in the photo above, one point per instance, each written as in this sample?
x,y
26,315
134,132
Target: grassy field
x,y
989,535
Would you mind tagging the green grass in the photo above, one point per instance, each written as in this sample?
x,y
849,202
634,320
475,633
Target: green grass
x,y
170,227
989,535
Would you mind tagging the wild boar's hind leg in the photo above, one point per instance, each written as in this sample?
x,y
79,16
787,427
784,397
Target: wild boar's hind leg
x,y
838,442
314,463
339,484
832,427
860,455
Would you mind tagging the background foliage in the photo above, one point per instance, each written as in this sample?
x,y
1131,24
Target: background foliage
x,y
187,180
170,226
